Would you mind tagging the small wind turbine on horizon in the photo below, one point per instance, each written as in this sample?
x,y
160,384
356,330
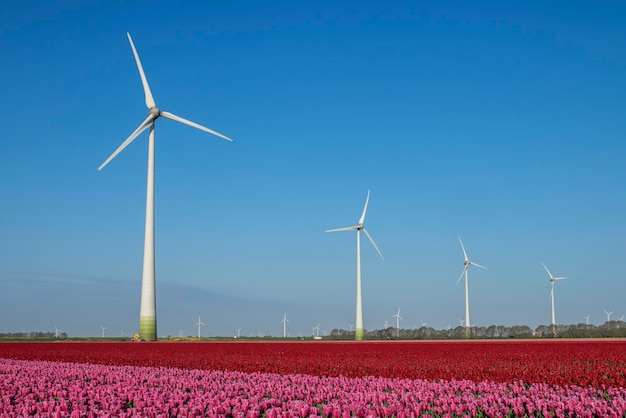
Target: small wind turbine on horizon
x,y
386,324
424,324
608,318
316,330
398,319
359,331
56,331
147,315
103,328
238,332
466,264
552,280
587,319
350,326
199,324
284,321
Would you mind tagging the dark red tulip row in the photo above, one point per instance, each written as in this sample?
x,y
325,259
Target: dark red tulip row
x,y
598,363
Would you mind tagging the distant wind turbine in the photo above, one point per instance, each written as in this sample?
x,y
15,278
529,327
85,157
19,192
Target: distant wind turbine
x,y
238,332
386,324
587,319
284,321
552,280
181,333
461,321
398,319
199,324
424,324
103,328
147,315
608,315
350,326
316,330
467,263
56,331
358,333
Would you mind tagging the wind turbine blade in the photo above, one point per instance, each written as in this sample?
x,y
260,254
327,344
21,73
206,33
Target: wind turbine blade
x,y
144,125
477,265
347,228
462,273
146,88
362,219
172,116
373,243
560,278
463,248
549,274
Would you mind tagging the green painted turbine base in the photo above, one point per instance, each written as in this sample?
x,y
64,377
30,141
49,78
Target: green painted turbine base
x,y
358,334
147,328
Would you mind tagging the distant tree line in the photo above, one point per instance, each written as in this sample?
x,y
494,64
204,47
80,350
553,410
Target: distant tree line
x,y
610,329
33,335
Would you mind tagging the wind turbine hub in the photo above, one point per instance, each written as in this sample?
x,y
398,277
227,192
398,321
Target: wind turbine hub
x,y
467,263
155,112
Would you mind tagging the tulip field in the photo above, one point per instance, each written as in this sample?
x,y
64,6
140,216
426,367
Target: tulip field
x,y
298,379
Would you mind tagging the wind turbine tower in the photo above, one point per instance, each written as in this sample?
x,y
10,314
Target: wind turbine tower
x,y
358,333
284,321
147,312
56,331
199,324
103,328
552,280
466,264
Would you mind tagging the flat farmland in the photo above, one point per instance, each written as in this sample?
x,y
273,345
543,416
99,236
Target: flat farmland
x,y
598,363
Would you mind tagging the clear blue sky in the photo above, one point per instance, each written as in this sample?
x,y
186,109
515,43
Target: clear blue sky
x,y
501,122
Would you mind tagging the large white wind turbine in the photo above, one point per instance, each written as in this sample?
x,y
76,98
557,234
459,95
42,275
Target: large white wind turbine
x,y
398,319
147,314
199,324
552,280
467,263
284,321
358,332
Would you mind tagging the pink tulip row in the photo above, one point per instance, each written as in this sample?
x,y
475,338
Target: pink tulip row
x,y
51,389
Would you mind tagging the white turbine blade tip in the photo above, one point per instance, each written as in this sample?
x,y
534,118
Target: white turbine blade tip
x,y
478,265
146,88
144,125
373,243
463,248
362,219
184,121
347,228
461,276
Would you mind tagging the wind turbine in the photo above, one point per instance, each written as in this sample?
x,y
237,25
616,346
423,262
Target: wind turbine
x,y
467,263
587,319
358,333
386,324
103,328
398,319
56,331
350,326
552,280
284,321
147,312
608,318
461,321
316,330
199,324
238,332
424,324
181,333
